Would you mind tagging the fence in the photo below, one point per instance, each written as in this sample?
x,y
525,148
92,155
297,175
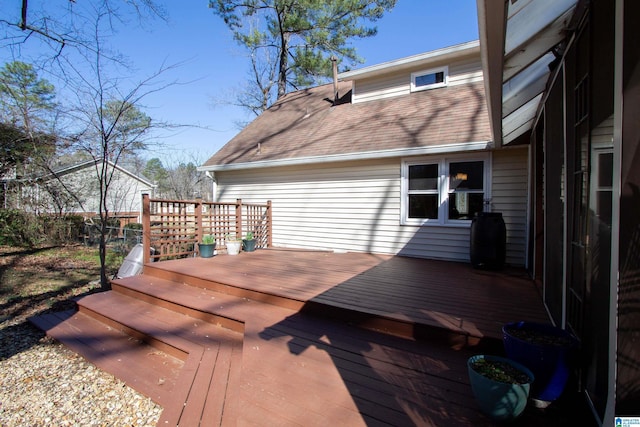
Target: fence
x,y
121,240
174,227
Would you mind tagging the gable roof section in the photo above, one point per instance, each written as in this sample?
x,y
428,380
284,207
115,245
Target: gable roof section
x,y
305,127
91,163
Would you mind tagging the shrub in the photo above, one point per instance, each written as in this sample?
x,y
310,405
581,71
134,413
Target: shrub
x,y
18,228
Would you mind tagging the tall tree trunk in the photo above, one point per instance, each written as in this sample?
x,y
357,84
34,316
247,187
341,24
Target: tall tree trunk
x,y
105,284
284,62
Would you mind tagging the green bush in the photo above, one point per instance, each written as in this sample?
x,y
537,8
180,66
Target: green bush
x,y
18,228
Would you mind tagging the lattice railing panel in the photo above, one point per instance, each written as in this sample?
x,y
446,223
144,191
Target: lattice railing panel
x,y
174,227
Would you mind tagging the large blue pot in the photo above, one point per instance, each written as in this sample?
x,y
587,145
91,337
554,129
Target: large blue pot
x,y
550,360
500,401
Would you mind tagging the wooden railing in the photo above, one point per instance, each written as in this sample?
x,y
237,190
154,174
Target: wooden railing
x,y
172,228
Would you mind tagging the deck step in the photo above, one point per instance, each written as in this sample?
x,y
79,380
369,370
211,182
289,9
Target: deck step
x,y
206,358
209,351
214,307
224,285
150,371
181,298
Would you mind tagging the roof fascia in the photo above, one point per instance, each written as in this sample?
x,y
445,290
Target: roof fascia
x,y
423,59
79,166
492,18
369,155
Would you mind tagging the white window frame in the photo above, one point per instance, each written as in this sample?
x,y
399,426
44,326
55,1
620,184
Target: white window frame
x,y
443,188
415,75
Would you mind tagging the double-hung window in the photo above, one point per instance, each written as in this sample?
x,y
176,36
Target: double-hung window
x,y
444,191
424,190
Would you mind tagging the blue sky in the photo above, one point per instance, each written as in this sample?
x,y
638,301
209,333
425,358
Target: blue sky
x,y
214,65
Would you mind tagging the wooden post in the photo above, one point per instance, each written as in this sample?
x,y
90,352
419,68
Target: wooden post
x,y
269,225
198,215
146,229
238,218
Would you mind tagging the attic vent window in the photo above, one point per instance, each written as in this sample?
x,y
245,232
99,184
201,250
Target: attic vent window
x,y
429,79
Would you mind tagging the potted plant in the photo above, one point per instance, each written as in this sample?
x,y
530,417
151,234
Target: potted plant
x,y
249,242
233,244
207,246
500,385
545,349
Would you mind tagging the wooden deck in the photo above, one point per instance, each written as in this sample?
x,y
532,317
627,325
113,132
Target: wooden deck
x,y
272,338
405,296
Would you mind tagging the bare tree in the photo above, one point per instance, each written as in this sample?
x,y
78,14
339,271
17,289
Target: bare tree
x,y
180,178
56,22
107,121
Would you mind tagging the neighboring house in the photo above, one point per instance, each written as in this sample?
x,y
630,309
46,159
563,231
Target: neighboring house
x,y
396,159
6,181
75,189
563,77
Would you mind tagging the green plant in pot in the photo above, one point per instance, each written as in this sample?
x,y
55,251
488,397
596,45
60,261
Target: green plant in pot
x,y
500,385
249,242
207,246
233,244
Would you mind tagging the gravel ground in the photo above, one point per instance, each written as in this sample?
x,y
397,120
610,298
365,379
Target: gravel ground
x,y
42,383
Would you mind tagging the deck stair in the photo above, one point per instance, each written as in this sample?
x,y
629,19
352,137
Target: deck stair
x,y
185,359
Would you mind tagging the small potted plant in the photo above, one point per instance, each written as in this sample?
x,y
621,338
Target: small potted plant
x,y
233,244
249,242
207,246
500,385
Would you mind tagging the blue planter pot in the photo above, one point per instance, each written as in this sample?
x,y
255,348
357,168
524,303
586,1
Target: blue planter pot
x,y
501,401
546,350
206,250
248,245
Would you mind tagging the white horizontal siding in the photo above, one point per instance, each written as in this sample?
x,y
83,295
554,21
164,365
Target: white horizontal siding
x,y
393,84
509,196
355,206
399,83
124,193
602,135
352,206
465,72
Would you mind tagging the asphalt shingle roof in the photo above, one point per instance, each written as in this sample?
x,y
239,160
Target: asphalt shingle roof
x,y
306,124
